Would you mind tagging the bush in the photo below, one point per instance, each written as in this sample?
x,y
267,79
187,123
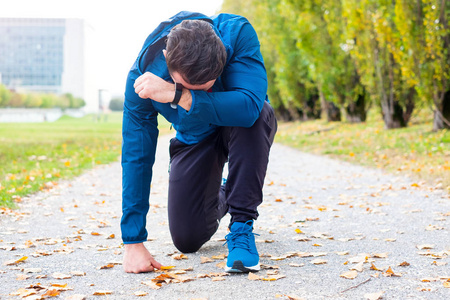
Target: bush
x,y
116,104
33,100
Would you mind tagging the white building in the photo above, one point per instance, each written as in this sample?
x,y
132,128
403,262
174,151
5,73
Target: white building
x,y
50,56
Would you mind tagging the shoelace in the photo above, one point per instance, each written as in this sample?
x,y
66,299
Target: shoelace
x,y
239,239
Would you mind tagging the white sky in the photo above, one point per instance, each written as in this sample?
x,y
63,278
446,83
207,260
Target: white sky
x,y
120,27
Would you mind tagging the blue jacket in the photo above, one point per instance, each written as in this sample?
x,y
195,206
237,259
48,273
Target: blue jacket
x,y
236,99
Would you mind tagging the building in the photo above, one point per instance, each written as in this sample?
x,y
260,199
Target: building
x,y
49,56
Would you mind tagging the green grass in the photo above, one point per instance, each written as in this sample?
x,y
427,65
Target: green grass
x,y
415,151
34,156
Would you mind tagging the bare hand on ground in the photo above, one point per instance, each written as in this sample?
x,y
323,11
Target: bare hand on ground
x,y
137,259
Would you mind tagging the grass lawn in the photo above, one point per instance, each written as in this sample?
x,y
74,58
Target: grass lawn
x,y
33,156
414,151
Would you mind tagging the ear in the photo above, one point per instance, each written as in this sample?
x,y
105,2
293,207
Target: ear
x,y
165,53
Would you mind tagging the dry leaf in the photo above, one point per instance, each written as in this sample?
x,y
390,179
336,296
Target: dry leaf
x,y
380,255
61,276
76,297
22,277
425,246
342,253
296,265
140,293
204,260
294,297
167,267
111,236
102,293
52,293
108,266
218,278
32,270
404,264
179,257
374,296
221,265
447,284
319,261
349,275
77,273
358,267
153,285
24,292
389,272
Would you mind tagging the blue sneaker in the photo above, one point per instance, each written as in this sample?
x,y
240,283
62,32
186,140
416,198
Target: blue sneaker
x,y
242,253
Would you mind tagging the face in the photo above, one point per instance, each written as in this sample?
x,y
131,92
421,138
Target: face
x,y
202,87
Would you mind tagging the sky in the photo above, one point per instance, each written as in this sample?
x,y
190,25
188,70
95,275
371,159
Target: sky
x,y
119,27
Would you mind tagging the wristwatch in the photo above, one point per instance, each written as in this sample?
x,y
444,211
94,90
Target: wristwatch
x,y
177,97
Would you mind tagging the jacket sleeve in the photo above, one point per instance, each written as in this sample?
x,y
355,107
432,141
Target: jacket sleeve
x,y
139,133
244,81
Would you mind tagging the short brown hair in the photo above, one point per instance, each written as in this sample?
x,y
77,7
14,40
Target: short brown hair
x,y
195,51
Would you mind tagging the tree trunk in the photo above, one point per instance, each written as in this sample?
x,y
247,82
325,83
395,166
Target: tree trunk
x,y
442,114
356,111
333,112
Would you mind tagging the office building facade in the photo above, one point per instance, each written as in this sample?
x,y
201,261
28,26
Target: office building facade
x,y
49,56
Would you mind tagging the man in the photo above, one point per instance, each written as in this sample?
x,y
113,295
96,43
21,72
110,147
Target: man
x,y
206,76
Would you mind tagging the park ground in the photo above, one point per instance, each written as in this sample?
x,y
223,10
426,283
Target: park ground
x,y
327,229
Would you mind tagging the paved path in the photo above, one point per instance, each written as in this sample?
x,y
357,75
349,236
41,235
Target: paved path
x,y
319,219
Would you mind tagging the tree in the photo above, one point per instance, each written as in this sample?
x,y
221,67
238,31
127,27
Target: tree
x,y
423,53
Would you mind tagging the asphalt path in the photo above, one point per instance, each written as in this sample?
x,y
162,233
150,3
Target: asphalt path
x,y
327,230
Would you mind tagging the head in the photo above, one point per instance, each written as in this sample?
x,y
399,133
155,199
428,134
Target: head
x,y
195,55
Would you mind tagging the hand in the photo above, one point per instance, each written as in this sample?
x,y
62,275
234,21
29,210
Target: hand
x,y
137,259
148,85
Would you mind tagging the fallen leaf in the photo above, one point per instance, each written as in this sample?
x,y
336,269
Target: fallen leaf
x,y
32,270
218,278
102,293
296,265
23,292
51,293
77,273
179,257
108,266
342,253
358,267
75,297
167,267
153,285
425,246
319,261
441,263
111,236
204,260
404,264
374,296
380,255
349,275
221,265
22,277
389,272
298,231
447,284
140,293
61,276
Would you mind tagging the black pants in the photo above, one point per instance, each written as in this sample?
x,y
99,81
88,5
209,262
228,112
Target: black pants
x,y
197,200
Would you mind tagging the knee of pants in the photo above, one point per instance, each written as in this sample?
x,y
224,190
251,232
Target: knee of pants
x,y
187,243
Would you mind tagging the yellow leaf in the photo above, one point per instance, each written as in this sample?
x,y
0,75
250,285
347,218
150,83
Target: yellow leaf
x,y
22,259
447,284
167,267
298,231
415,185
51,293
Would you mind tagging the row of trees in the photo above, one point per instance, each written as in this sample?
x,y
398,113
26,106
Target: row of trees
x,y
10,98
349,55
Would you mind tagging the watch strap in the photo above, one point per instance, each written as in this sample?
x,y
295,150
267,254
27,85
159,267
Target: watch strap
x,y
178,93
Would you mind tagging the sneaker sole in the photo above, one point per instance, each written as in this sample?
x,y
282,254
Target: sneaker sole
x,y
238,267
